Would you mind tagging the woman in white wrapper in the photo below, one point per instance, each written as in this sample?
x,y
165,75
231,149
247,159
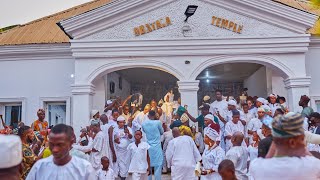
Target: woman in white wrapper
x,y
212,155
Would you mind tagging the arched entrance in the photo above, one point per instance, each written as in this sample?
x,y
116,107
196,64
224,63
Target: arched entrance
x,y
234,78
153,84
284,75
92,86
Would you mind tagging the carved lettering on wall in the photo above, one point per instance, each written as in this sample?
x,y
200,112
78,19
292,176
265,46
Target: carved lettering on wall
x,y
227,24
147,28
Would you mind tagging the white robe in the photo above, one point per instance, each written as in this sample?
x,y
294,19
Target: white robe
x,y
77,168
122,165
99,144
182,156
239,156
230,129
105,175
105,129
211,158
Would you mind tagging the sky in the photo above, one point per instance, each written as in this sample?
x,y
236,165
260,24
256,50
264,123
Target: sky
x,y
22,11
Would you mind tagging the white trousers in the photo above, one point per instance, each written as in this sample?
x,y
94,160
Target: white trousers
x,y
139,176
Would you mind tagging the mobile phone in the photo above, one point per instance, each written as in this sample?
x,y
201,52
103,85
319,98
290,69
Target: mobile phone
x,y
125,126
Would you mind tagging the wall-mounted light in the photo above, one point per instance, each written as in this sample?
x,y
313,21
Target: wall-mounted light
x,y
208,80
72,75
191,9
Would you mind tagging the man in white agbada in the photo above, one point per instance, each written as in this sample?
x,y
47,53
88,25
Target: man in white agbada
x,y
233,126
97,146
107,130
122,139
220,108
212,155
290,160
61,165
182,156
238,154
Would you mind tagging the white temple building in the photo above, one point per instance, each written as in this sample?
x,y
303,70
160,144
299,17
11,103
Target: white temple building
x,y
72,62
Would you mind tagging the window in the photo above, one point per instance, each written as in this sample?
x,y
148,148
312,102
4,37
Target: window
x,y
12,115
56,113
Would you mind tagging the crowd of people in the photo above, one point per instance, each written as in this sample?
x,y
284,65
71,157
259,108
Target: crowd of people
x,y
232,138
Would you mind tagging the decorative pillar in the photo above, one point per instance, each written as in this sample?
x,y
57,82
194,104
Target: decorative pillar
x,y
189,95
82,95
296,87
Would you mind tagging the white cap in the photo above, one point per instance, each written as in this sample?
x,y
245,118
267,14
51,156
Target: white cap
x,y
273,95
121,118
11,151
232,103
206,98
260,99
209,116
94,112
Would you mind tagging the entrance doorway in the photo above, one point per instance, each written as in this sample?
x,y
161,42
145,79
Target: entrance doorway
x,y
235,78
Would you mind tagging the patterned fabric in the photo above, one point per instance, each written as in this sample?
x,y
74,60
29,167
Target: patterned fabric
x,y
29,158
39,125
289,125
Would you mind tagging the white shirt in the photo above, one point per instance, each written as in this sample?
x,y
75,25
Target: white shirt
x,y
182,156
230,129
138,157
286,168
253,152
274,107
248,116
239,156
105,175
221,106
254,124
229,116
46,169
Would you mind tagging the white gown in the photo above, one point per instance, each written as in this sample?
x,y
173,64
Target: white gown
x,y
222,107
98,144
77,168
211,160
122,165
182,156
230,129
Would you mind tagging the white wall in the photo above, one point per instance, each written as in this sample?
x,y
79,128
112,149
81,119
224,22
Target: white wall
x,y
257,83
126,87
100,95
278,86
313,70
35,79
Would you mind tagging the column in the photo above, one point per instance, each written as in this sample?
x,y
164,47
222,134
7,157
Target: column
x,y
82,95
296,87
189,95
